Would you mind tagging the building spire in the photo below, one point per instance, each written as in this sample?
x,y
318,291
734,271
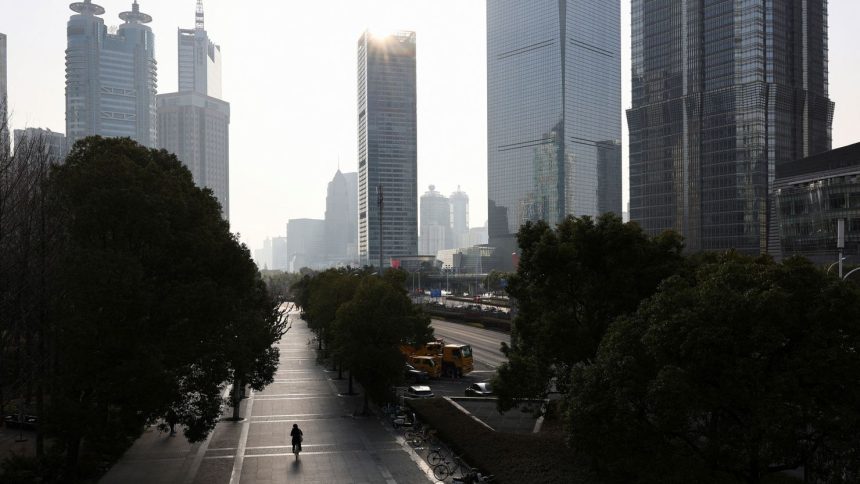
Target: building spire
x,y
135,16
198,16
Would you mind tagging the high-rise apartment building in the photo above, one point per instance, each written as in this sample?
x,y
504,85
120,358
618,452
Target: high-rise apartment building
x,y
194,123
387,148
110,77
341,219
459,218
553,113
435,223
4,110
723,93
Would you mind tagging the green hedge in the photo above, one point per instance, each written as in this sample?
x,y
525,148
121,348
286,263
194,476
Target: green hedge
x,y
512,458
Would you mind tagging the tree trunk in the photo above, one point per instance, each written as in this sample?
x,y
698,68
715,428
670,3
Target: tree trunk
x,y
350,392
73,449
237,398
339,370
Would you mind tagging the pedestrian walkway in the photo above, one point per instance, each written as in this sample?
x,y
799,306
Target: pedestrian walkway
x,y
337,447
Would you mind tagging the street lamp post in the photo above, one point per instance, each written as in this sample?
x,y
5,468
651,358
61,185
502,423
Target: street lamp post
x,y
840,241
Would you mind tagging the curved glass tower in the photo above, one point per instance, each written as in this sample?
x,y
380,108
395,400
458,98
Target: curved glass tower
x,y
111,78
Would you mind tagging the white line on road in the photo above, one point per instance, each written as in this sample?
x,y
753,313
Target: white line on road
x,y
243,439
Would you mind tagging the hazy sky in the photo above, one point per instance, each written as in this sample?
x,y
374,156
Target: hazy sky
x,y
290,77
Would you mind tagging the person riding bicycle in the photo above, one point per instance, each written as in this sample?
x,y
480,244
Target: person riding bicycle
x,y
297,435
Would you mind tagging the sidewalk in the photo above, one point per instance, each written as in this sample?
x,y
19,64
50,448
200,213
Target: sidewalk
x,y
337,447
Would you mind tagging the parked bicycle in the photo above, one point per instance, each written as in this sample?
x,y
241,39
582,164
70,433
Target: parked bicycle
x,y
450,467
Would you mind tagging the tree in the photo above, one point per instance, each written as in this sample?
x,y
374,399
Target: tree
x,y
570,284
742,368
160,305
370,328
328,291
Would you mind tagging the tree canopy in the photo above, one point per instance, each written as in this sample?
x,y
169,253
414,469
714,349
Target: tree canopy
x,y
571,283
156,306
742,368
370,328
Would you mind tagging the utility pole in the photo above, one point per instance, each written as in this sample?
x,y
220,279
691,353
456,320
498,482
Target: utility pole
x,y
379,204
840,241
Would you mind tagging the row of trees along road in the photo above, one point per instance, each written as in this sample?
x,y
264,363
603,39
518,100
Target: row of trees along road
x,y
360,320
673,368
123,298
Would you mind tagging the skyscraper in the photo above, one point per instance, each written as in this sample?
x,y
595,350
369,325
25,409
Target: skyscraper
x,y
723,93
341,219
553,113
387,147
4,110
459,218
194,123
199,59
110,77
435,223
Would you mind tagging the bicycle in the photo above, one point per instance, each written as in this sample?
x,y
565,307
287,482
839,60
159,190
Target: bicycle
x,y
419,436
448,468
436,456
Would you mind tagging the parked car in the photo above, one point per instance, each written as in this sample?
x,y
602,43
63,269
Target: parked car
x,y
482,389
419,391
413,374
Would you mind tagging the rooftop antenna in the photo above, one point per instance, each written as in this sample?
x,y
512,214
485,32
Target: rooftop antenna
x,y
198,16
87,7
135,16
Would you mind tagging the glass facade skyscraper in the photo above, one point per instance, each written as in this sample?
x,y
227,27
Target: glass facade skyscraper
x,y
110,77
723,92
387,147
553,112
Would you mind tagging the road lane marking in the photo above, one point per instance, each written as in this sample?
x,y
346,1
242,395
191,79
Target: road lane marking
x,y
243,440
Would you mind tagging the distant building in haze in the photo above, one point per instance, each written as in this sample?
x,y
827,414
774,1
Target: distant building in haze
x,y
194,123
435,223
387,147
305,243
722,96
280,255
110,77
459,219
4,110
53,144
341,219
553,113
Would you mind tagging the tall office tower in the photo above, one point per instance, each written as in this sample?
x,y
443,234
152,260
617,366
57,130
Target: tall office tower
x,y
4,110
110,77
459,219
723,93
341,218
387,147
435,223
199,59
194,123
50,143
553,113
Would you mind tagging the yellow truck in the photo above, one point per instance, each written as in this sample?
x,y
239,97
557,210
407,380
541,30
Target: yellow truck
x,y
430,364
456,360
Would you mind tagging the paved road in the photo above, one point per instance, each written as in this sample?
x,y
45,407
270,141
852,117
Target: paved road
x,y
485,343
337,447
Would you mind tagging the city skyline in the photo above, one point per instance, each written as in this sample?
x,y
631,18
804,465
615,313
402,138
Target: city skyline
x,y
314,135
